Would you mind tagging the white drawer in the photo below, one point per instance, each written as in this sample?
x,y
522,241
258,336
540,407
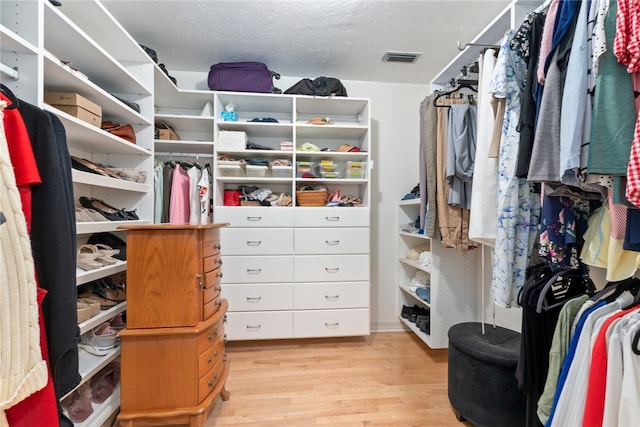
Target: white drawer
x,y
330,241
329,268
257,269
332,217
330,295
245,216
332,323
259,325
260,297
257,241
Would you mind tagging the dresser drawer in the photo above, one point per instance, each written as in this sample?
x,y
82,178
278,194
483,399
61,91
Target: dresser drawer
x,y
331,268
330,295
212,280
210,242
211,292
331,241
209,308
208,358
332,217
245,216
208,382
323,323
258,269
210,335
258,241
262,297
212,262
259,325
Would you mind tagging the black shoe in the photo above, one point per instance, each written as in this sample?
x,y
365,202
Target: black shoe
x,y
406,311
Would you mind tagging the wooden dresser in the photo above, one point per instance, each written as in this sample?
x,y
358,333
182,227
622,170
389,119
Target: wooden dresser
x,y
174,364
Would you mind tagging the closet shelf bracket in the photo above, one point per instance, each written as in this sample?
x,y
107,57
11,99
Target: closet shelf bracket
x,y
11,72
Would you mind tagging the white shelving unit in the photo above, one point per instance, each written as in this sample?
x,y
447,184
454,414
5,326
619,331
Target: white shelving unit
x,y
36,38
452,280
295,271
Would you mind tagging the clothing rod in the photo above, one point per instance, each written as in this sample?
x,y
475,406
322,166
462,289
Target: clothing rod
x,y
11,72
461,47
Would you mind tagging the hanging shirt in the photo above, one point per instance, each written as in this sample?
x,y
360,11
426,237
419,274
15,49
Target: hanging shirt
x,y
204,191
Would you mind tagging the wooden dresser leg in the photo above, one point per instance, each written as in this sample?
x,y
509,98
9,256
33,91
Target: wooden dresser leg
x,y
225,394
126,423
197,420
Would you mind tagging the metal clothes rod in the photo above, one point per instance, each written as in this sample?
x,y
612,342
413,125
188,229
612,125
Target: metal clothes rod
x,y
11,72
461,47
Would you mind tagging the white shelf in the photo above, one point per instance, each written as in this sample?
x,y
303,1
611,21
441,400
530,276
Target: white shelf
x,y
101,226
426,338
183,146
81,177
87,276
409,202
416,264
405,289
191,123
104,316
11,42
414,235
89,365
263,153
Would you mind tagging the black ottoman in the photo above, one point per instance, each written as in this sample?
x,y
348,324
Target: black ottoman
x,y
482,385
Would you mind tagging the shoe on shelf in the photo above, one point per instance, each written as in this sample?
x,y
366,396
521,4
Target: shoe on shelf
x,y
84,311
109,212
78,404
99,341
106,253
94,305
106,292
86,258
104,382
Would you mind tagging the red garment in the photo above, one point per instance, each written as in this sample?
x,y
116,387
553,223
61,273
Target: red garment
x,y
22,158
594,404
626,45
632,193
41,408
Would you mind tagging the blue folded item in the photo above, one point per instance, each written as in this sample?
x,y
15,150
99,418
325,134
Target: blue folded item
x,y
424,294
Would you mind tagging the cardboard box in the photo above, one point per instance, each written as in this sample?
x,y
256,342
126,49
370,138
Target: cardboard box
x,y
76,105
168,135
81,113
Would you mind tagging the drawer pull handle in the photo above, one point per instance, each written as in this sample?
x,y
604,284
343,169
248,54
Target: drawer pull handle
x,y
254,242
218,288
215,353
332,242
253,327
210,337
254,299
332,325
254,218
225,339
210,383
225,319
219,261
219,303
332,297
219,274
254,270
332,218
217,247
332,270
209,359
216,376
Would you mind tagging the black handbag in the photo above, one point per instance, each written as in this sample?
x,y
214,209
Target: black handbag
x,y
320,86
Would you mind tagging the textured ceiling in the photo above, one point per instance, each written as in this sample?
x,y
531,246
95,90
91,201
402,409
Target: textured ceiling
x,y
344,39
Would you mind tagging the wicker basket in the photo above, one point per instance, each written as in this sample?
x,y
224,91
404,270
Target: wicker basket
x,y
311,197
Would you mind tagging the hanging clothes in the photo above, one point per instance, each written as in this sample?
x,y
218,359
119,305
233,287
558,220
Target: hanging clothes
x,y
428,136
204,189
194,195
158,192
461,153
179,203
518,207
484,198
27,372
453,222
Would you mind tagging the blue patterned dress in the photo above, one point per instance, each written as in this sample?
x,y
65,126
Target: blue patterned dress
x,y
518,207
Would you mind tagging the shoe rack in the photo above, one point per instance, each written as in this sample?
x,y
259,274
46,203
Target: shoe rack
x,y
80,48
452,280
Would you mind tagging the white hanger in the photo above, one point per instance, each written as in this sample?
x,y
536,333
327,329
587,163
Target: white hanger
x,y
544,6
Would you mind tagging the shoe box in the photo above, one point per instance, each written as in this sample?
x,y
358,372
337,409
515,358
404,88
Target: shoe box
x,y
75,105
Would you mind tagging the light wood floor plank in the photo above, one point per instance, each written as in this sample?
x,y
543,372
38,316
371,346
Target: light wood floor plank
x,y
386,379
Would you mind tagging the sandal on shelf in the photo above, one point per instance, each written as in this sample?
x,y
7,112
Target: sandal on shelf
x,y
106,253
86,258
94,305
106,292
111,213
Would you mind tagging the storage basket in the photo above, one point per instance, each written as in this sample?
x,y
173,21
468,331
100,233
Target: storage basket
x,y
316,197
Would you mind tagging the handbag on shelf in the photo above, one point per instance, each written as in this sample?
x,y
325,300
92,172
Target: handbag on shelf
x,y
123,131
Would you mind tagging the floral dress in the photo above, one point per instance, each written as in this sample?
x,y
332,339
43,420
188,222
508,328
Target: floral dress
x,y
518,207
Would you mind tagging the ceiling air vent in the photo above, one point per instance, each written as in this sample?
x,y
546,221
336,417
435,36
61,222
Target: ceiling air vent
x,y
406,57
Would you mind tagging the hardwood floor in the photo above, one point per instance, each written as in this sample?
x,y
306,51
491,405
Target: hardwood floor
x,y
386,379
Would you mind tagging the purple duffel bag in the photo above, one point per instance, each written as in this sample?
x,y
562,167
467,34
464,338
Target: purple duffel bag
x,y
241,77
